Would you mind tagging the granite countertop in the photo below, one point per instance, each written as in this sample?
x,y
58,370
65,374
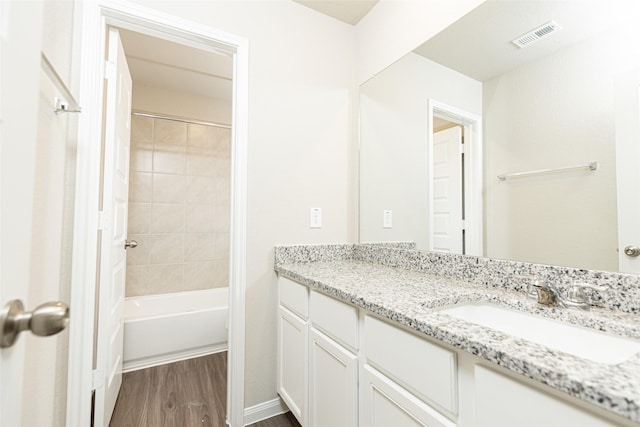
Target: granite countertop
x,y
412,298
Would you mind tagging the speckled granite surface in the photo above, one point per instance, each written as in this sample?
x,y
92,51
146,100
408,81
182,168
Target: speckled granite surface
x,y
409,287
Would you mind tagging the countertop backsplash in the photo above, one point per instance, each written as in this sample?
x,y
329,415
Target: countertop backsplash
x,y
623,290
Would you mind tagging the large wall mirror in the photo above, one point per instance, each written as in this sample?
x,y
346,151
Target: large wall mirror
x,y
473,144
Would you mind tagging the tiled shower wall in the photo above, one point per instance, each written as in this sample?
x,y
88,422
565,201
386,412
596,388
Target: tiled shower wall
x,y
179,204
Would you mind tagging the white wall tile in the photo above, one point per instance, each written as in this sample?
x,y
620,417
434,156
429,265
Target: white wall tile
x,y
140,187
199,247
221,246
137,280
221,219
169,132
165,278
139,218
169,159
220,273
199,275
200,218
142,128
141,158
167,218
179,194
201,189
200,136
140,254
168,188
166,248
199,162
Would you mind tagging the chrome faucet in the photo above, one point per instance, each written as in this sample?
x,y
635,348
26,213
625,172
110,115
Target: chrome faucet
x,y
578,295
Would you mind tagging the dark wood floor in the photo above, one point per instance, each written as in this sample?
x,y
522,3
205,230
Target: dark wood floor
x,y
189,393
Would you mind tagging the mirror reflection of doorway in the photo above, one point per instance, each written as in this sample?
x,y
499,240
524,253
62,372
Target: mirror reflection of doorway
x,y
454,180
448,187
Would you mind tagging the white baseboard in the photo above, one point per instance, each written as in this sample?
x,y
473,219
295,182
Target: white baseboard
x,y
149,362
264,410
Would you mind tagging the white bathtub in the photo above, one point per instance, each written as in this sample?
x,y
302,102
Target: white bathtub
x,y
170,327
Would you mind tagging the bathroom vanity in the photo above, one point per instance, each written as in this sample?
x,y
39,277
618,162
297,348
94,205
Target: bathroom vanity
x,y
366,337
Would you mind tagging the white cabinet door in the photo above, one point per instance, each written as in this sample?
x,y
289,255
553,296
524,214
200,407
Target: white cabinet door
x,y
385,403
292,362
504,402
333,383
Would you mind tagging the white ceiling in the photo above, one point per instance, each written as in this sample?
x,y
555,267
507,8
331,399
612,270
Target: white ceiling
x,y
479,44
349,11
167,65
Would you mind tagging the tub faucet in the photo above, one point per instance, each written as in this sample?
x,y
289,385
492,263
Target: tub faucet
x,y
578,295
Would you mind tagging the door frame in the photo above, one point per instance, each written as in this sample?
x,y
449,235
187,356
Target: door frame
x,y
96,17
473,176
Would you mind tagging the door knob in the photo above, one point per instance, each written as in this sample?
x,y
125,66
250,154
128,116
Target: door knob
x,y
47,319
130,244
632,251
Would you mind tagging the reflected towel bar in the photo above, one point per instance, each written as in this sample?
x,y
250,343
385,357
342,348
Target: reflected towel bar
x,y
590,166
69,104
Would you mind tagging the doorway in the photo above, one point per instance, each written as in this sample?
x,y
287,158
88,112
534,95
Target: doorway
x,y
455,180
98,17
175,121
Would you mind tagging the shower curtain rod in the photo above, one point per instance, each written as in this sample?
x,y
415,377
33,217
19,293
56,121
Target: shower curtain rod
x,y
177,119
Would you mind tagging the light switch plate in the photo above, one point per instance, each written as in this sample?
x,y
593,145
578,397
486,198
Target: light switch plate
x,y
315,218
387,219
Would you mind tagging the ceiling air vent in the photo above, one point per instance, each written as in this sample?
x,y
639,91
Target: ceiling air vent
x,y
539,33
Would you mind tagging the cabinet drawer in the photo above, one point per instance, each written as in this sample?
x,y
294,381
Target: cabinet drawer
x,y
504,401
294,296
335,318
424,368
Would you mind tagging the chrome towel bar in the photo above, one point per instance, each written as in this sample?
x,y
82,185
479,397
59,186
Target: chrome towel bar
x,y
68,104
590,166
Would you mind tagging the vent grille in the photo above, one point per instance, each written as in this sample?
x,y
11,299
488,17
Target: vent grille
x,y
539,33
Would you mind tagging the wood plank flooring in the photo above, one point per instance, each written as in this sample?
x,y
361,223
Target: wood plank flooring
x,y
189,393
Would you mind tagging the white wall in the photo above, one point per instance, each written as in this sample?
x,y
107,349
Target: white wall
x,y
301,93
394,133
558,111
180,104
394,28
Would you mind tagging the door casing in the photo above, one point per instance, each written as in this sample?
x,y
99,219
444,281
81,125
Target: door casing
x,y
97,16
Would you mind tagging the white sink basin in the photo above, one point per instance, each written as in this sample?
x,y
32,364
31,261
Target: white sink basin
x,y
578,341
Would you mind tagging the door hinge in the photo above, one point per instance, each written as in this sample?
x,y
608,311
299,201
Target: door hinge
x,y
462,149
463,225
103,220
97,379
109,70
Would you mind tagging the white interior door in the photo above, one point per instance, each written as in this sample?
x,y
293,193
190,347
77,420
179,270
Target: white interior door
x,y
19,111
37,178
627,105
447,224
115,190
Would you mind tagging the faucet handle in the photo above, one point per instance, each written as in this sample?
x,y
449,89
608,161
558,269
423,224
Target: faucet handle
x,y
533,283
578,293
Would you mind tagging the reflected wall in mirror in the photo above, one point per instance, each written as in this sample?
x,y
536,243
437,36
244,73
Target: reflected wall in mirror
x,y
569,98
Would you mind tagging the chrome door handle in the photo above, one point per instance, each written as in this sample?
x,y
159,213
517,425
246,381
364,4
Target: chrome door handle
x,y
632,251
130,244
47,319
